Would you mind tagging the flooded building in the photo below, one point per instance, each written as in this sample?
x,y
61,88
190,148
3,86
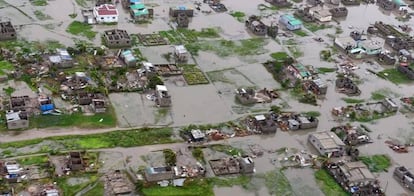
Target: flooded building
x,y
304,15
290,22
181,54
128,57
232,165
246,165
256,26
350,2
98,105
347,86
117,38
162,97
386,4
399,43
355,178
315,86
182,20
246,96
279,3
301,122
17,120
75,162
46,104
320,13
405,177
407,71
327,143
155,174
106,13
62,59
7,31
263,124
387,58
339,12
13,171
197,135
88,16
139,12
389,105
117,183
175,11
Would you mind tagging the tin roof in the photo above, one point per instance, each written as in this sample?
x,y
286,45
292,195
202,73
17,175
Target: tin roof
x,y
106,9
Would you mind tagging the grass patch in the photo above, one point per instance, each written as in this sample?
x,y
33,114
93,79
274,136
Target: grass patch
x,y
238,15
230,150
191,187
33,160
224,48
5,66
82,29
198,155
38,2
296,53
279,56
184,36
328,184
219,76
193,75
300,33
276,183
125,138
9,90
70,188
377,96
394,76
323,70
381,94
376,163
99,189
41,16
81,3
313,27
353,101
99,120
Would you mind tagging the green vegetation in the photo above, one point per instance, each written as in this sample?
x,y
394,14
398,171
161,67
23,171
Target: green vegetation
x,y
72,186
238,15
41,16
279,56
263,7
125,138
153,81
39,2
9,90
224,48
312,114
323,70
73,15
99,189
326,55
300,33
99,120
394,76
82,29
170,157
219,76
33,160
193,75
276,183
376,163
242,181
383,93
230,150
328,184
191,187
184,36
338,30
198,155
81,3
316,27
5,66
377,96
353,101
296,53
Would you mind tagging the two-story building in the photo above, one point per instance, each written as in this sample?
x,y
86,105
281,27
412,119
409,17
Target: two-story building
x,y
290,22
327,143
106,13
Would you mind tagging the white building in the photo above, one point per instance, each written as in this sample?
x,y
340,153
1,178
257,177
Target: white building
x,y
106,13
320,14
327,143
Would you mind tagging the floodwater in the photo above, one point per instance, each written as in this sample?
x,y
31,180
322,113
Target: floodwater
x,y
214,103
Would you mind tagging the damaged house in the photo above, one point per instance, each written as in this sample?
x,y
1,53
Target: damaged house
x,y
387,58
139,11
405,177
17,120
300,122
155,174
320,13
7,31
355,178
117,38
98,105
279,3
339,12
181,54
62,59
250,96
304,15
162,98
399,43
316,86
182,15
406,70
232,165
264,123
347,86
46,104
128,57
75,161
290,22
327,143
182,20
257,27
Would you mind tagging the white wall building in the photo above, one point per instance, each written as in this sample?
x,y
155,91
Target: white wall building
x,y
106,13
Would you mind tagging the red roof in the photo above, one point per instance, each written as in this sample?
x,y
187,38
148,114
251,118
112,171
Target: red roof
x,y
106,9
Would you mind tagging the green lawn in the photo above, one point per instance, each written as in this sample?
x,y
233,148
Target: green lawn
x,y
238,15
353,101
98,120
72,189
376,163
323,70
99,189
33,160
316,27
41,16
185,36
82,29
192,187
126,138
279,55
224,48
39,2
394,76
378,96
328,184
300,33
5,66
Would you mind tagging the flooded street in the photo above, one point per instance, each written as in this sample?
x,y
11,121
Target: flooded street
x,y
215,102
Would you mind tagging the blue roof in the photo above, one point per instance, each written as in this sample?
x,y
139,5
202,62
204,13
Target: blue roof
x,y
47,107
134,1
